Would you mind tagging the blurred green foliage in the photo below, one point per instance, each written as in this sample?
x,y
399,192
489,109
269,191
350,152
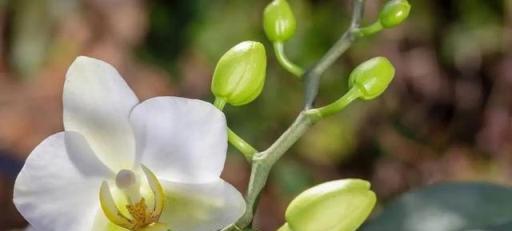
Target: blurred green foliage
x,y
169,34
447,207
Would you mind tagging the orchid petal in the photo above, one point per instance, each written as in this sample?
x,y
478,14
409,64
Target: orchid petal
x,y
110,209
31,228
201,207
158,191
57,188
182,140
97,102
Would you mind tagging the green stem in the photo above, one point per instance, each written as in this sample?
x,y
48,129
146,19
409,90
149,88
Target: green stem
x,y
245,148
313,76
263,162
285,62
339,104
219,103
369,30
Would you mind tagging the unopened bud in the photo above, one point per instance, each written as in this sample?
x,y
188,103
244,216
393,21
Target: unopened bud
x,y
278,21
240,73
394,13
372,77
341,205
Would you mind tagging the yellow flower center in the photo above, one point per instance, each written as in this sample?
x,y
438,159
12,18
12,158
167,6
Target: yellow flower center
x,y
139,215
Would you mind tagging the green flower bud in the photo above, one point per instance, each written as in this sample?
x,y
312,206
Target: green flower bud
x,y
341,205
278,21
394,13
240,73
372,77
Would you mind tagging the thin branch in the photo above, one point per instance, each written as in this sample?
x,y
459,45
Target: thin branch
x,y
312,76
245,148
285,62
262,162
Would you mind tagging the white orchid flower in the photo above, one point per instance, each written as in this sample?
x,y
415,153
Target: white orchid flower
x,y
125,165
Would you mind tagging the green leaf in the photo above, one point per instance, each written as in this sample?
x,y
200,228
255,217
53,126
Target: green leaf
x,y
448,207
502,227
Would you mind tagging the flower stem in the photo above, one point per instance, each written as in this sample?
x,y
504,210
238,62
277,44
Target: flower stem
x,y
245,148
219,103
369,30
339,104
262,162
312,77
285,62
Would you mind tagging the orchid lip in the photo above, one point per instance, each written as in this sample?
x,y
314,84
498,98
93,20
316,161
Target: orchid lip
x,y
139,215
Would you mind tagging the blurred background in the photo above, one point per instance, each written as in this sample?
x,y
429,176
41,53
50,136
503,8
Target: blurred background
x,y
446,117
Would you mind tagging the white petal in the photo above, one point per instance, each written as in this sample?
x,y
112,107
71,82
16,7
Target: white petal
x,y
97,103
201,207
57,188
182,140
31,228
101,223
